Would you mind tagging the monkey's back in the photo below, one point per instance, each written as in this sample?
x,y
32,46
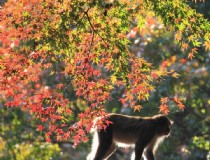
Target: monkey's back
x,y
127,129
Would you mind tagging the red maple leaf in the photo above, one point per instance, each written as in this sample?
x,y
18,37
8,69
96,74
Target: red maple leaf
x,y
39,128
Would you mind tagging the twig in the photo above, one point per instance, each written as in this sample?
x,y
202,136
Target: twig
x,y
93,29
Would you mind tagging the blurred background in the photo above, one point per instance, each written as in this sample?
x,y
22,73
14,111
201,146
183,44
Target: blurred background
x,y
190,136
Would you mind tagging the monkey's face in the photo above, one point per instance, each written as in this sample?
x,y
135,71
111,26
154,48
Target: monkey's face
x,y
163,125
166,130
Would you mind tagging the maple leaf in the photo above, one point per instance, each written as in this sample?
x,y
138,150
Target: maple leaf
x,y
191,37
85,139
108,122
60,110
44,119
178,36
164,109
193,20
59,86
48,139
39,128
181,106
9,92
68,111
207,45
88,127
122,100
103,81
81,115
191,55
175,75
179,103
121,36
164,64
81,132
113,79
164,100
183,60
79,124
137,107
59,138
153,74
130,76
97,73
118,83
132,33
104,127
132,103
76,138
184,46
129,97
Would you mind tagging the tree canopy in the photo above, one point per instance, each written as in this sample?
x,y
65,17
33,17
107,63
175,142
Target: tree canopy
x,y
62,61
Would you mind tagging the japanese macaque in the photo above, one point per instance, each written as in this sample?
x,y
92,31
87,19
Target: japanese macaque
x,y
144,133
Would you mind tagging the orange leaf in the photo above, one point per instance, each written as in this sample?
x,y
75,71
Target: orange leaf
x,y
207,45
164,109
181,106
129,97
164,100
59,86
191,55
184,46
68,111
137,107
183,60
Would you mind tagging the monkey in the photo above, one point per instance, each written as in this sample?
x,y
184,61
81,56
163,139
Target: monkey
x,y
144,133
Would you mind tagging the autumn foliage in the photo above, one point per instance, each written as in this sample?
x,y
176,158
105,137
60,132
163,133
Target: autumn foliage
x,y
83,45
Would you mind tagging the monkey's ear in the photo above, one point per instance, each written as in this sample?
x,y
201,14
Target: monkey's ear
x,y
172,122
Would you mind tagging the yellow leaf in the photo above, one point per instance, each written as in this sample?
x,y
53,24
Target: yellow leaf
x,y
178,36
113,78
173,58
191,38
175,75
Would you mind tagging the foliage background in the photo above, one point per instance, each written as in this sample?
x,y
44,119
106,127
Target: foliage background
x,y
190,138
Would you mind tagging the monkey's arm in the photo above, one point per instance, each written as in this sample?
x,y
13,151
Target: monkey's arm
x,y
144,141
149,154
